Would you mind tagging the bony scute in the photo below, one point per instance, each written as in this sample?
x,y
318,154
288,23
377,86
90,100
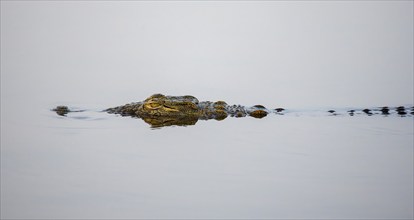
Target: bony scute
x,y
160,110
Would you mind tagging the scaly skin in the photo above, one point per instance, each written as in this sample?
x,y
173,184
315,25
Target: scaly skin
x,y
168,106
159,110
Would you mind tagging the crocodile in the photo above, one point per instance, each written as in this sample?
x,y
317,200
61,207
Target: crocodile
x,y
63,110
160,110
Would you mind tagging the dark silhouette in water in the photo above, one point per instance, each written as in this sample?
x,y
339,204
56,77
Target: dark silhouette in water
x,y
61,110
401,110
159,110
367,111
385,110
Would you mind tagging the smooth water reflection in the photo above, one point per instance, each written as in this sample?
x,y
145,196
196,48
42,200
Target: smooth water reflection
x,y
91,55
281,166
157,121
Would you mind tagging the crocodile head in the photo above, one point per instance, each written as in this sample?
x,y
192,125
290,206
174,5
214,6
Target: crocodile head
x,y
159,105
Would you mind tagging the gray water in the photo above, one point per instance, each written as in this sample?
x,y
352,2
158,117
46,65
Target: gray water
x,y
104,166
299,55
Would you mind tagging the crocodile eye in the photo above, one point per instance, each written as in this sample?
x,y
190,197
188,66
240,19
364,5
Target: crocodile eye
x,y
154,105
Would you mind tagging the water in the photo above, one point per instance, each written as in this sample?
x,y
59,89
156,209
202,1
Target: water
x,y
97,165
300,55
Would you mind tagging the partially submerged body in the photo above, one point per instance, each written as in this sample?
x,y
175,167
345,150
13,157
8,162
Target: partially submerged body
x,y
159,105
64,110
159,110
61,110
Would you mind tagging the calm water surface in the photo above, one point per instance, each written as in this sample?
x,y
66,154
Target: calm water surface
x,y
98,54
97,165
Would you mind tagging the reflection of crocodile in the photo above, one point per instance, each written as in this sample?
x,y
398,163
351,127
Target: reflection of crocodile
x,y
159,110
